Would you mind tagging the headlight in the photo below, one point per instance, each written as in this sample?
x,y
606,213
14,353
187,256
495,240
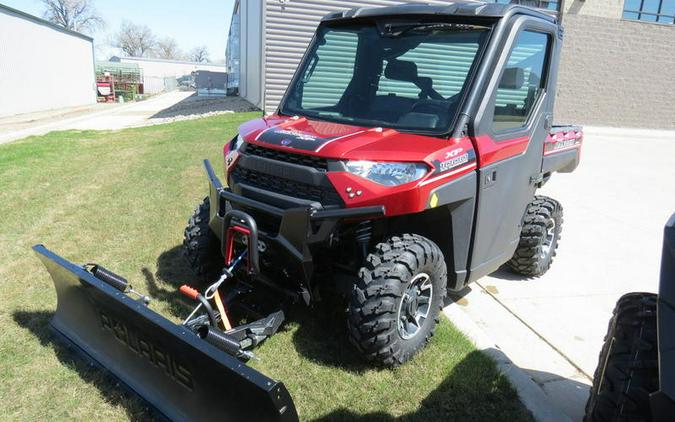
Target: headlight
x,y
232,151
388,174
236,143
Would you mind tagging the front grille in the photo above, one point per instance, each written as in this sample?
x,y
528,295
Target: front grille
x,y
288,157
324,195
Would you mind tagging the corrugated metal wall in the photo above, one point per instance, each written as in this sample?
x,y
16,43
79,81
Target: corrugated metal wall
x,y
289,26
41,67
252,57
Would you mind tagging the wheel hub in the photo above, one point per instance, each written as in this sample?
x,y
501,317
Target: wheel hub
x,y
415,305
548,239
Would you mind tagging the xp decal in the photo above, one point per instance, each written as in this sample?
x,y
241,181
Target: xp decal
x,y
454,159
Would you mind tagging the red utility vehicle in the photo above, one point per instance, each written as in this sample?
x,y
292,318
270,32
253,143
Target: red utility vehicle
x,y
402,161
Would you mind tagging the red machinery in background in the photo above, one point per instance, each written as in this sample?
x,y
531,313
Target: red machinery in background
x,y
105,88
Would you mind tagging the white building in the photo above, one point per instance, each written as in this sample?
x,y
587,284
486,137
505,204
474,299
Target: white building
x,y
42,66
160,75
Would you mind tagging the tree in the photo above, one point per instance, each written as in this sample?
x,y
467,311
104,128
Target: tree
x,y
199,54
167,48
76,15
135,40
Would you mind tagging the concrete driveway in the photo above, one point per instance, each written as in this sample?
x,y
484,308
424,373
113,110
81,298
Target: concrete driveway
x,y
615,206
95,117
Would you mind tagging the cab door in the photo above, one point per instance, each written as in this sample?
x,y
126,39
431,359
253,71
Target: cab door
x,y
509,129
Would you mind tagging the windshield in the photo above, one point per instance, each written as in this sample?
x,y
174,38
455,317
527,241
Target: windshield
x,y
404,76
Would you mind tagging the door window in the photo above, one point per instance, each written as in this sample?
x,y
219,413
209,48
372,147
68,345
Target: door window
x,y
522,81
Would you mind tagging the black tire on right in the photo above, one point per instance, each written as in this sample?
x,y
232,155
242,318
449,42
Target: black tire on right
x,y
627,370
201,247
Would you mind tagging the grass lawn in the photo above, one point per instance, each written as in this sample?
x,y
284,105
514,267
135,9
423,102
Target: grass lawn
x,y
122,199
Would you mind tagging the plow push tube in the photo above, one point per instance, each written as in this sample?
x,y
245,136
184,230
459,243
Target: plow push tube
x,y
179,374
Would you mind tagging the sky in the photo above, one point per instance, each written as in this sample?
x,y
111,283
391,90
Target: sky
x,y
190,23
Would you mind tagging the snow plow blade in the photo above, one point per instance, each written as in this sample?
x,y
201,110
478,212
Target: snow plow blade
x,y
176,372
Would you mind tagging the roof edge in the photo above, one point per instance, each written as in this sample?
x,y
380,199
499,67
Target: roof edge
x,y
115,58
44,22
463,8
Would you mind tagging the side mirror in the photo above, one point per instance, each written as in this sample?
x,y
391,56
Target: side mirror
x,y
513,78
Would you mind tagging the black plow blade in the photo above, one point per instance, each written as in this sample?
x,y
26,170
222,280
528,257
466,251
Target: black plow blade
x,y
176,372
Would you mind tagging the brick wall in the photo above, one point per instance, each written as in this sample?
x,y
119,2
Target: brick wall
x,y
616,73
601,8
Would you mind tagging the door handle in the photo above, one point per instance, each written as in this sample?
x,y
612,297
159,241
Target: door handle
x,y
490,179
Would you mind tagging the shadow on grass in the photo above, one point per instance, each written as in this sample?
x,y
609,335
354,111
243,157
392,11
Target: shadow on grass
x,y
461,396
322,337
37,323
322,329
172,269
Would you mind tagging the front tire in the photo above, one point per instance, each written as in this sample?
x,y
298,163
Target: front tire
x,y
627,370
201,247
538,238
395,304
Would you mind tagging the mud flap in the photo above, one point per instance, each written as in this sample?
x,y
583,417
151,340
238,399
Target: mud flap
x,y
176,372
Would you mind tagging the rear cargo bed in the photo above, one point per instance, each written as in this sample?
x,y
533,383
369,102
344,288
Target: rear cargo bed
x,y
562,149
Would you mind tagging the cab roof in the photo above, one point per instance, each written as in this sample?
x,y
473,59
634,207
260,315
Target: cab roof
x,y
457,8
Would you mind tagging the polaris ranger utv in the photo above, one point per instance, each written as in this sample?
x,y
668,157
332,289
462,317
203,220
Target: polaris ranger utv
x,y
403,161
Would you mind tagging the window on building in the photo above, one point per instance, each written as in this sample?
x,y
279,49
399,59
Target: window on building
x,y
658,11
522,81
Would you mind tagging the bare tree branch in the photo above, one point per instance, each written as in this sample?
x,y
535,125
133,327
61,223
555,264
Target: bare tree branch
x,y
76,15
199,54
135,40
167,48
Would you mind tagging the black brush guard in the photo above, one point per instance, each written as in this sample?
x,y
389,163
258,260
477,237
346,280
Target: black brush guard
x,y
295,235
179,374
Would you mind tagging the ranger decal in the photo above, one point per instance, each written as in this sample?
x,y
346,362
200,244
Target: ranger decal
x,y
454,159
292,139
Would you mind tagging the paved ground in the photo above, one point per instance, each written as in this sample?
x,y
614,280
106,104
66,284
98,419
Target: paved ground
x,y
165,108
615,206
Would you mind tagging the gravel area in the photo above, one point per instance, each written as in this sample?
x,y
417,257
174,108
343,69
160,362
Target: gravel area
x,y
195,107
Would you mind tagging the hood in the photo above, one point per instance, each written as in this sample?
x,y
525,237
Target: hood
x,y
340,141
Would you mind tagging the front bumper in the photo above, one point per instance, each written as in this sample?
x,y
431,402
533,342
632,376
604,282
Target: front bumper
x,y
299,229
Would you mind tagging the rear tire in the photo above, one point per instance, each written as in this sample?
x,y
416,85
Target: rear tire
x,y
404,280
538,238
627,371
201,247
